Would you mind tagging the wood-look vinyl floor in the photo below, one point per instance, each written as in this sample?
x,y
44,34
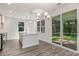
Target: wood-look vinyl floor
x,y
13,48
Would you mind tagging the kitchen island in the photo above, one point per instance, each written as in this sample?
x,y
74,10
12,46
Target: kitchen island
x,y
28,40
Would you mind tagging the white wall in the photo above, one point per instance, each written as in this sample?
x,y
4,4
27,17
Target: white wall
x,y
11,27
31,23
31,27
47,36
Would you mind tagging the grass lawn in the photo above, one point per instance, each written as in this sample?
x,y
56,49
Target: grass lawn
x,y
56,39
69,41
73,38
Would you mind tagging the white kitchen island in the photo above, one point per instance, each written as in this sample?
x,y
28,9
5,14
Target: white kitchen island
x,y
28,40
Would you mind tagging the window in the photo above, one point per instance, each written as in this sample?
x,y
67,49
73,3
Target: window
x,y
21,26
70,29
38,26
42,26
56,29
67,36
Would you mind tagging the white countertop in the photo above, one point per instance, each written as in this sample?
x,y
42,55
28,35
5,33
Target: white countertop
x,y
28,33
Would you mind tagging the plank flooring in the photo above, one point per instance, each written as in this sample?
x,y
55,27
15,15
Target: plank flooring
x,y
13,48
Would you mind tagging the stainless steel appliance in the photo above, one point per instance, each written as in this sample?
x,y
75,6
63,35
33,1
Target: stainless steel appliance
x,y
2,40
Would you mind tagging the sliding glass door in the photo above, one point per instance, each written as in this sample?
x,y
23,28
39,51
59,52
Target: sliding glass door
x,y
70,29
56,29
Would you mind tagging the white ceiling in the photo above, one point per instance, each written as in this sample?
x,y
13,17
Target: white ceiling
x,y
22,9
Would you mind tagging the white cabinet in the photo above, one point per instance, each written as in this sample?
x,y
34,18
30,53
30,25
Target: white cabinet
x,y
28,40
